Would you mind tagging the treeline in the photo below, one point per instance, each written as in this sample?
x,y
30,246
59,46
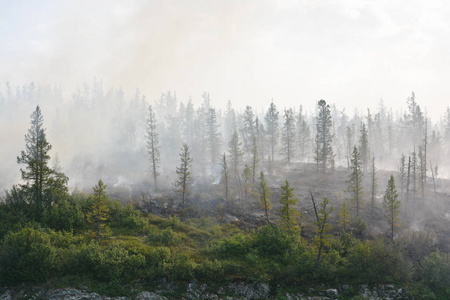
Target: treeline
x,y
121,130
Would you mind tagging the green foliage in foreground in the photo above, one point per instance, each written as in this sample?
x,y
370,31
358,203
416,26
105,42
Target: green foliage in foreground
x,y
146,248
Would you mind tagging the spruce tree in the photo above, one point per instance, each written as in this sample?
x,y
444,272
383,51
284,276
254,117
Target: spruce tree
x,y
184,172
391,205
153,144
235,153
98,213
248,130
304,140
355,188
288,213
288,135
271,118
35,157
324,151
212,135
364,147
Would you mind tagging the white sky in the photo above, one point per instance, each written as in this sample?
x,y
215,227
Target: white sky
x,y
348,52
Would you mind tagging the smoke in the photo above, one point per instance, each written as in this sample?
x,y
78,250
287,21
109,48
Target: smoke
x,y
345,52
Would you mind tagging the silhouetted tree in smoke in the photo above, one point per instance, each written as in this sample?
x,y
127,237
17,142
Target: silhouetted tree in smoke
x,y
272,125
248,129
364,147
355,188
184,172
212,135
324,152
153,144
288,135
391,205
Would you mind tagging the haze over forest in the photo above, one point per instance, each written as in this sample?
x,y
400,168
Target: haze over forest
x,y
99,133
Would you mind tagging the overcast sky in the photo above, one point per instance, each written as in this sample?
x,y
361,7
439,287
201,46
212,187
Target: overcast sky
x,y
350,52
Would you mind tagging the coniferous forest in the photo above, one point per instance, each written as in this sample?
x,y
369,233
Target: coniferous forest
x,y
119,193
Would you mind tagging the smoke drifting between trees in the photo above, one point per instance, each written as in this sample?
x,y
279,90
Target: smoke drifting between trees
x,y
109,135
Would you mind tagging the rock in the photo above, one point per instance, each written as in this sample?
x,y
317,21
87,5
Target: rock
x,y
196,291
149,296
332,293
71,294
7,295
250,290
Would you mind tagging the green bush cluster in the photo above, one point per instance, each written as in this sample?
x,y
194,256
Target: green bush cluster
x,y
147,248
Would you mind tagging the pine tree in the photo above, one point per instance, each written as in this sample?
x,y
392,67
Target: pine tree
x,y
391,205
36,157
288,214
355,188
184,172
324,151
288,135
98,213
153,144
272,125
264,197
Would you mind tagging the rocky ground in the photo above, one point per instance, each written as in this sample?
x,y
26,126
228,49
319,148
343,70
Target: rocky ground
x,y
195,290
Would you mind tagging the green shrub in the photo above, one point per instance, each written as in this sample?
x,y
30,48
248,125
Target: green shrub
x,y
272,241
375,262
165,237
64,215
435,272
180,267
237,246
110,263
27,256
209,270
